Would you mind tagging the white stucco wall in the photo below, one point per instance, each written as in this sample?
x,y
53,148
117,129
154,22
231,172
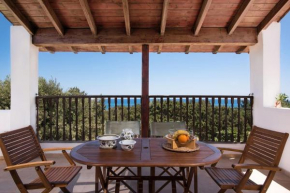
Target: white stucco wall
x,y
24,78
265,84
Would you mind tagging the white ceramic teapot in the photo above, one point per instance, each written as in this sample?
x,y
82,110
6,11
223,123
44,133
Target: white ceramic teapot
x,y
127,134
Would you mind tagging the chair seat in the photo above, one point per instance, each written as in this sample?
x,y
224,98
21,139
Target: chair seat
x,y
228,178
59,175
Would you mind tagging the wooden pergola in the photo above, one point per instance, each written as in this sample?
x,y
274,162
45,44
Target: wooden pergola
x,y
124,25
144,26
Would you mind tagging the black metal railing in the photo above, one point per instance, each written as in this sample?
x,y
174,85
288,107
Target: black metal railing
x,y
82,118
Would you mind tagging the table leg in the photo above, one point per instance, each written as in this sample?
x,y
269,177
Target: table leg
x,y
140,182
100,177
189,179
96,182
195,180
152,182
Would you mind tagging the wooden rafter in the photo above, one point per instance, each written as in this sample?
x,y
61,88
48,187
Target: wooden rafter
x,y
127,16
131,49
164,17
201,16
272,14
174,36
187,49
240,15
52,16
159,49
102,49
216,49
49,49
73,49
241,49
19,16
88,14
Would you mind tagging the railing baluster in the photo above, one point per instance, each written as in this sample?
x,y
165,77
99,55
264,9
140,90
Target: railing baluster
x,y
206,120
63,119
180,108
90,119
251,103
193,114
186,111
219,102
96,117
232,133
226,119
245,119
161,104
70,119
167,109
109,108
213,124
200,100
50,118
116,109
154,105
103,117
122,108
83,119
77,127
128,99
44,119
37,116
174,104
239,119
135,106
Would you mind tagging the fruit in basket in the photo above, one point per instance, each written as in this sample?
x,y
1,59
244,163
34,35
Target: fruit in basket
x,y
183,138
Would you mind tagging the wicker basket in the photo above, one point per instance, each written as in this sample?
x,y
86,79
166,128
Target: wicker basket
x,y
191,144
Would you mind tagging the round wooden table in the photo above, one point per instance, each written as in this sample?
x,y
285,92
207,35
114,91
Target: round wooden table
x,y
148,152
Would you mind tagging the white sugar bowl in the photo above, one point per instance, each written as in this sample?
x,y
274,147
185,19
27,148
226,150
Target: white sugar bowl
x,y
127,145
127,134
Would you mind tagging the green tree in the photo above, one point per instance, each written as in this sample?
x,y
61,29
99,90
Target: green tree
x,y
49,87
5,93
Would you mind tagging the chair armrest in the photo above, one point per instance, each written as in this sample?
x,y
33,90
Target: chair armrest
x,y
56,149
63,150
28,165
222,149
255,166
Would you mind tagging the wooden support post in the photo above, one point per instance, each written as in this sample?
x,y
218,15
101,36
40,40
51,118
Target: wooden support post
x,y
145,91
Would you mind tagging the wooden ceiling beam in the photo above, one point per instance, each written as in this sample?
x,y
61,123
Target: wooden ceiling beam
x,y
239,16
131,49
73,49
281,5
126,16
102,49
52,16
89,17
187,49
50,50
174,36
216,49
241,49
164,17
159,49
201,16
19,16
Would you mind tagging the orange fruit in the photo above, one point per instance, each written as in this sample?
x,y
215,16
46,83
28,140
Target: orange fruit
x,y
182,138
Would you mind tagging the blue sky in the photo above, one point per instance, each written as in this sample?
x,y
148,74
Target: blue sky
x,y
170,73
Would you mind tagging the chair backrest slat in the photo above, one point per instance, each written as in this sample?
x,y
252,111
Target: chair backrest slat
x,y
160,129
20,146
116,127
265,146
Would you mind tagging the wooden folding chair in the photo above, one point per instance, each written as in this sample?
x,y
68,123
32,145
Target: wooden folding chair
x,y
20,147
264,147
160,129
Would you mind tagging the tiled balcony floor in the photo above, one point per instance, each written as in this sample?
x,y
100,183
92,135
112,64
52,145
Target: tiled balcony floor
x,y
84,182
